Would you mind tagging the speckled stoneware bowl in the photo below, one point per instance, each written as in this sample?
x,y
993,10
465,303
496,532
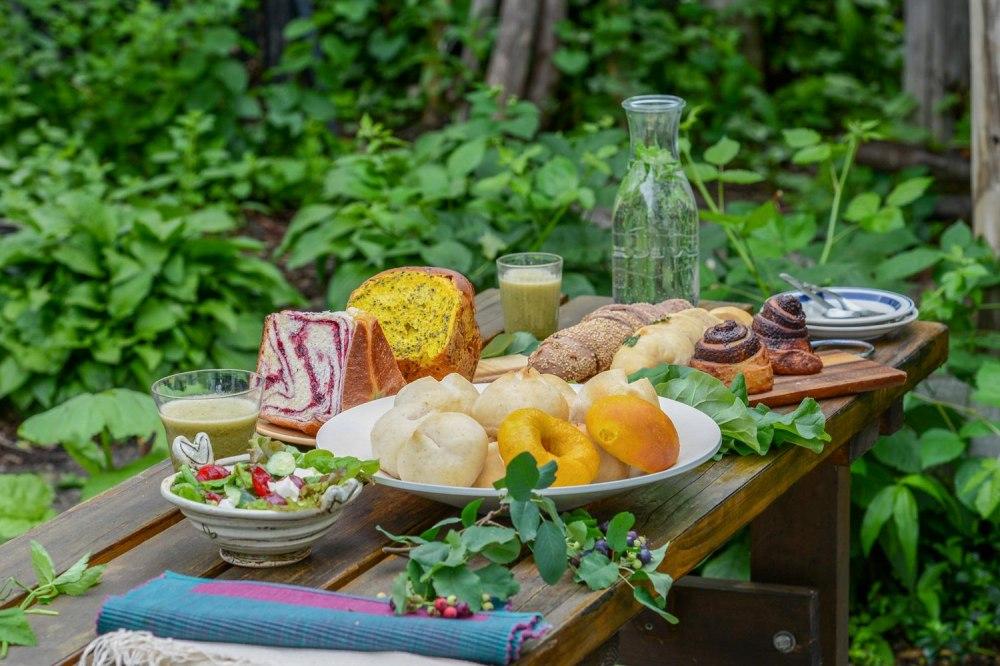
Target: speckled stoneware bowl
x,y
260,538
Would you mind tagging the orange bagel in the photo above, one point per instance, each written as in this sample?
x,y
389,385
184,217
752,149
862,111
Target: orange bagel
x,y
549,438
634,431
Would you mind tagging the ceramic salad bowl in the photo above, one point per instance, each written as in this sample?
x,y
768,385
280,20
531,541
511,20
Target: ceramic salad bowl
x,y
263,538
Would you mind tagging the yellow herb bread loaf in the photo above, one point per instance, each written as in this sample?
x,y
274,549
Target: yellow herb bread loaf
x,y
429,318
669,341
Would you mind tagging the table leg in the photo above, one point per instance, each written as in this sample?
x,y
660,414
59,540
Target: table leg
x,y
803,539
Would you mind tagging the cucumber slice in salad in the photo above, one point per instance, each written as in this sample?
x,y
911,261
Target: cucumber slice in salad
x,y
281,463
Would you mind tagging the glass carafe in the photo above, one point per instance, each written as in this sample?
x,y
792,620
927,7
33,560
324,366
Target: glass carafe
x,y
655,218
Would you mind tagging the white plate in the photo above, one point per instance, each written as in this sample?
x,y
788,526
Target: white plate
x,y
888,304
860,332
349,434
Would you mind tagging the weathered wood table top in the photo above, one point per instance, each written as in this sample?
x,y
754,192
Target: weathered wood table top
x,y
139,535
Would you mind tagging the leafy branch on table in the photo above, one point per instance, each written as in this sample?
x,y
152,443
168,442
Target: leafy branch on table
x,y
440,572
75,581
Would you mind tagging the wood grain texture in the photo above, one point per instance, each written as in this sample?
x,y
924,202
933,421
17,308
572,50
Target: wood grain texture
x,y
106,526
752,613
935,64
138,534
984,17
803,539
842,374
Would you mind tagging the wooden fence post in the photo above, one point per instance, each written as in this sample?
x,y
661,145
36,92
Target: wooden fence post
x,y
937,32
984,18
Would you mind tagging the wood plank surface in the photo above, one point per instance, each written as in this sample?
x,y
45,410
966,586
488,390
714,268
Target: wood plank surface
x,y
843,374
138,534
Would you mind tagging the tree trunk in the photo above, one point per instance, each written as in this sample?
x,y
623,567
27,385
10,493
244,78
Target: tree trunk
x,y
752,47
511,55
545,75
985,55
937,35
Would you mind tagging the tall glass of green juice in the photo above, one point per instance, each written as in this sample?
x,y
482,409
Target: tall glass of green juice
x,y
223,404
530,291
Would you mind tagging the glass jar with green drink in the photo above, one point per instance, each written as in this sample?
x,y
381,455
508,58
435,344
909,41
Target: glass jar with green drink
x,y
530,291
223,404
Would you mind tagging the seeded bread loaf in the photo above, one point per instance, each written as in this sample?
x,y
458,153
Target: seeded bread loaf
x,y
429,318
579,352
316,364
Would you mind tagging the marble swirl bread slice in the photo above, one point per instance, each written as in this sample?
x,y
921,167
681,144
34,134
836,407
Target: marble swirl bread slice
x,y
314,365
429,319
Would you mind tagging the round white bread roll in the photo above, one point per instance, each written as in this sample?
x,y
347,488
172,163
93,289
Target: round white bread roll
x,y
392,431
610,382
454,393
493,468
611,469
516,390
447,448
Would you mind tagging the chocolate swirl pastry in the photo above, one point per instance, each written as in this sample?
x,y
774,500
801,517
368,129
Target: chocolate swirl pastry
x,y
781,325
729,349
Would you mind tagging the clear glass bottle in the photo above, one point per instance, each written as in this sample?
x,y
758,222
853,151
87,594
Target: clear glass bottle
x,y
655,218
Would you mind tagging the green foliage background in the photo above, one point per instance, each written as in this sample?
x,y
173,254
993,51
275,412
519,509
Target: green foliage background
x,y
141,143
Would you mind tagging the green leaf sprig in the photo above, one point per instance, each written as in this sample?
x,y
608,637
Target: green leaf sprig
x,y
598,556
75,581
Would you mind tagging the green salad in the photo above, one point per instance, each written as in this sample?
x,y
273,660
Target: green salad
x,y
277,477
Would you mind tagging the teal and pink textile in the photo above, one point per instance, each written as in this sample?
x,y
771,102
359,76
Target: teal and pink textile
x,y
231,611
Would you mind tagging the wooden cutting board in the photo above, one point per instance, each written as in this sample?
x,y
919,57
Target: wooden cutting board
x,y
286,435
843,374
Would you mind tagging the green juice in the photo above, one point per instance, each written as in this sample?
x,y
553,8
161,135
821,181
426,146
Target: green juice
x,y
228,422
530,301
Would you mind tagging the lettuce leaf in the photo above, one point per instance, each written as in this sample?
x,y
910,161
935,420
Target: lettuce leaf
x,y
745,430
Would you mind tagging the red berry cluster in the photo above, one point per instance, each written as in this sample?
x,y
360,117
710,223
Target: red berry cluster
x,y
450,607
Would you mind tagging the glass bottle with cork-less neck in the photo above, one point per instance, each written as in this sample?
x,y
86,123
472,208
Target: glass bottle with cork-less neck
x,y
655,218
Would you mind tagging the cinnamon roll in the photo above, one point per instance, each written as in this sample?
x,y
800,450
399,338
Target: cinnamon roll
x,y
729,349
781,325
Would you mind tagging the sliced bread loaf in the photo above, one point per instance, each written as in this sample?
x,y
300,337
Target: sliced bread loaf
x,y
429,319
316,364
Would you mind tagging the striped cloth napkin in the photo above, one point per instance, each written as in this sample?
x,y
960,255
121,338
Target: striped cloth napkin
x,y
288,616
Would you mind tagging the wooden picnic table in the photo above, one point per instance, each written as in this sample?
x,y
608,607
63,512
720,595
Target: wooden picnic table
x,y
795,501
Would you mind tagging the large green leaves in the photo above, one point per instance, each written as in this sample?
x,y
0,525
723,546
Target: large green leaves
x,y
744,430
121,412
25,501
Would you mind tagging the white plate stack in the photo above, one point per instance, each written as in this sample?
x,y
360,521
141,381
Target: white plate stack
x,y
894,312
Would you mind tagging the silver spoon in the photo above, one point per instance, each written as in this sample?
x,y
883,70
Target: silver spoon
x,y
844,303
830,310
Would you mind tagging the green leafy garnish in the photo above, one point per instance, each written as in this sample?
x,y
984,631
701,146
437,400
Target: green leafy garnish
x,y
505,344
744,429
596,558
75,581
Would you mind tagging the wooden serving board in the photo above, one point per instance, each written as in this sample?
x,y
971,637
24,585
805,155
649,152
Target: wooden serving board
x,y
286,435
843,374
492,368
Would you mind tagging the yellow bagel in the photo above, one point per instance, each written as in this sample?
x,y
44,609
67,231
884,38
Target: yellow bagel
x,y
549,438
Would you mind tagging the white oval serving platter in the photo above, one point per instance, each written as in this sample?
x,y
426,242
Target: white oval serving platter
x,y
349,434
